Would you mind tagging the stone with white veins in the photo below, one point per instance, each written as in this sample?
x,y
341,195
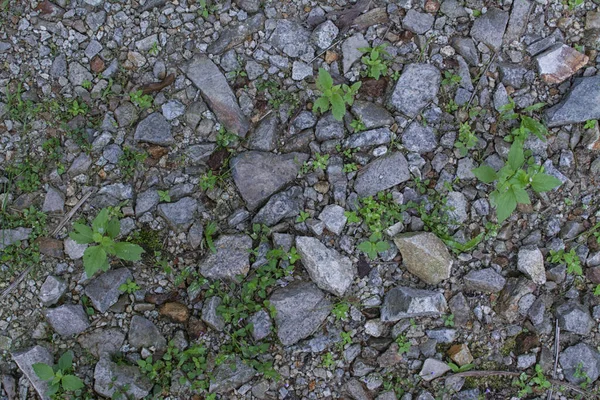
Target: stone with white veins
x,y
334,219
231,259
68,319
25,360
417,86
405,302
329,269
381,174
531,263
425,255
103,291
559,63
489,28
154,129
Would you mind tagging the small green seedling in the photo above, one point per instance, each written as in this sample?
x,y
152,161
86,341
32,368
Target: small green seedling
x,y
450,79
570,259
466,139
590,124
358,125
403,344
209,231
59,376
449,320
340,310
352,217
374,245
376,66
302,217
129,287
141,100
164,196
334,97
103,232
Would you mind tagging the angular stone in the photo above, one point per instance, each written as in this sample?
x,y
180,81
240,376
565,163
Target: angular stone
x,y
173,109
531,263
128,380
373,137
466,48
301,308
50,247
460,354
266,135
231,37
54,201
372,115
80,165
211,316
417,22
418,86
291,38
282,205
489,28
25,360
405,302
334,218
143,333
154,129
356,390
442,335
351,52
213,85
324,34
231,375
508,301
250,6
180,214
425,255
261,325
453,9
79,74
517,23
327,268
231,259
484,280
581,104
67,320
574,317
103,291
73,249
258,175
382,173
329,128
580,361
102,341
419,138
559,63
11,236
432,369
146,201
52,290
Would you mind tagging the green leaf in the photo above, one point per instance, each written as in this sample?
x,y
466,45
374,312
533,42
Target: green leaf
x,y
99,223
94,259
321,104
543,182
338,108
128,251
521,195
534,126
534,107
71,383
382,246
65,361
485,174
506,204
52,389
82,234
516,157
113,228
43,371
324,81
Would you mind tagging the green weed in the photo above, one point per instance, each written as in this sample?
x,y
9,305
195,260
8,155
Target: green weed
x,y
334,97
376,65
59,377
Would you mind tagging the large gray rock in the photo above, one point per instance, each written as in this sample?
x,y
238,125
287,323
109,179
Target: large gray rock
x,y
110,378
180,214
282,205
508,301
419,138
103,291
484,280
574,317
581,358
67,320
329,128
489,28
417,22
291,38
425,255
143,333
25,360
266,135
235,35
207,77
581,104
373,137
371,114
327,268
154,129
231,375
52,290
258,175
405,302
301,308
231,259
382,173
432,369
531,263
418,85
11,236
102,341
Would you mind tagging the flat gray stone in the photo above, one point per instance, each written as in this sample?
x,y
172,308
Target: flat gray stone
x,y
146,201
373,137
231,259
382,173
432,369
80,165
334,218
519,15
582,357
425,255
102,341
329,128
417,22
103,291
110,377
54,202
405,302
574,317
291,38
372,115
287,204
327,268
418,85
52,290
484,280
489,28
466,48
25,360
67,320
531,263
235,35
210,314
154,129
143,333
559,63
419,138
180,214
582,103
11,236
261,325
351,52
79,74
301,308
266,135
231,375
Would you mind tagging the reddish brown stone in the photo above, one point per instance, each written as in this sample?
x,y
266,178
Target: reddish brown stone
x,y
97,64
157,152
195,328
50,247
460,354
559,63
331,56
525,342
373,88
175,311
593,274
49,10
432,6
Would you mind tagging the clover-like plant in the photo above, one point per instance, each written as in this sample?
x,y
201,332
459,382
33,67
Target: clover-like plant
x,y
103,232
334,97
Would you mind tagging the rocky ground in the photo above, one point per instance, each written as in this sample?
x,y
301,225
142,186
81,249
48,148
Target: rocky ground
x,y
289,254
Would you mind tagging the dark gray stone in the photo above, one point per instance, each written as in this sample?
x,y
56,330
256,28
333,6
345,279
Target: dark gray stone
x,y
261,325
11,236
80,165
154,129
146,201
250,6
25,360
231,375
180,214
574,317
404,302
374,137
372,115
103,291
382,173
453,9
517,23
266,135
210,314
143,333
484,280
581,358
79,74
67,320
417,22
507,305
235,35
489,28
418,85
466,48
419,138
102,341
282,205
329,128
198,154
59,66
231,259
111,378
582,103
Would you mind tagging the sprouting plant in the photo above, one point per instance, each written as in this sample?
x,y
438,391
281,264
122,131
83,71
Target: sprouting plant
x,y
334,97
466,139
302,217
327,361
141,100
579,373
76,108
350,167
456,369
448,320
154,50
260,231
358,125
570,259
450,79
86,84
204,9
590,124
403,344
130,161
208,181
597,290
527,124
209,231
163,195
352,217
320,161
396,75
376,66
512,180
539,379
226,139
573,4
346,338
129,287
26,174
59,377
374,245
451,106
87,306
340,310
103,232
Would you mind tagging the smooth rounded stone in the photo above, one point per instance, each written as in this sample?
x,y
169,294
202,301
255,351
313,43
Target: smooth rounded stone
x,y
351,52
580,361
266,136
67,320
261,325
128,380
369,138
173,109
73,249
372,115
154,129
484,280
581,104
416,88
258,175
291,38
334,218
432,369
102,341
230,375
324,34
146,201
515,289
25,360
329,269
417,22
301,308
329,128
531,263
574,317
489,28
231,259
78,74
180,214
103,291
143,333
425,255
286,204
54,202
52,290
301,70
211,316
404,302
381,174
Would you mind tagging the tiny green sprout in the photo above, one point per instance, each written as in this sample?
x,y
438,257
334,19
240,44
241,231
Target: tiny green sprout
x,y
163,196
327,361
209,231
129,287
466,139
86,84
340,310
154,50
403,344
590,124
449,320
141,100
346,338
358,125
302,217
352,217
376,66
570,258
450,79
456,369
374,245
350,167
